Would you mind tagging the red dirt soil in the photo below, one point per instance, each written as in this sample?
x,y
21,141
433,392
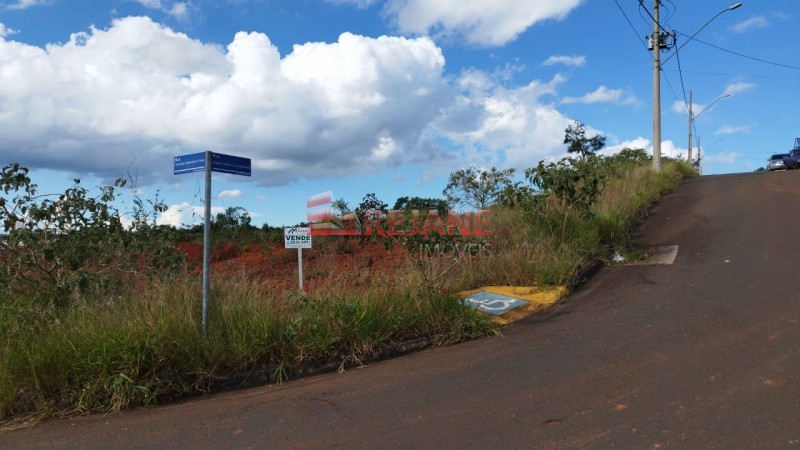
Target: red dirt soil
x,y
278,266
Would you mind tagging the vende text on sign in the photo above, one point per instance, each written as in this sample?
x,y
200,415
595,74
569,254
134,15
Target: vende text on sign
x,y
297,237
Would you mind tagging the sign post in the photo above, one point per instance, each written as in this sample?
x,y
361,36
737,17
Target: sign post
x,y
209,162
299,238
207,244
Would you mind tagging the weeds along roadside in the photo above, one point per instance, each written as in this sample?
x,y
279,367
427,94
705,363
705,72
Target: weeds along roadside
x,y
533,244
147,348
139,343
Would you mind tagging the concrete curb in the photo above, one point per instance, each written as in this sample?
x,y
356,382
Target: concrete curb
x,y
276,375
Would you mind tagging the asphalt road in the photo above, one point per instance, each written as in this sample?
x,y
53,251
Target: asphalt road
x,y
704,353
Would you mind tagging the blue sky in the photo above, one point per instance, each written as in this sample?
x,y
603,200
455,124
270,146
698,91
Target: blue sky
x,y
383,96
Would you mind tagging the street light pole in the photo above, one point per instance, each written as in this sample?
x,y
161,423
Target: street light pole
x,y
699,156
729,8
692,118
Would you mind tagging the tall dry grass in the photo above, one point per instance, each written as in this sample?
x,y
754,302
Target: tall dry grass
x,y
526,247
147,348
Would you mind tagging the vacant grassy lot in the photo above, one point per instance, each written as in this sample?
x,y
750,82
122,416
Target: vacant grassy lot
x,y
106,337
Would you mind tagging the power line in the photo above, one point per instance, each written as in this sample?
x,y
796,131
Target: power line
x,y
674,95
674,11
743,55
683,86
733,75
644,19
641,6
632,27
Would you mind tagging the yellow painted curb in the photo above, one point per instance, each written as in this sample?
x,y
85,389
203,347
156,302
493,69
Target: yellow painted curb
x,y
537,298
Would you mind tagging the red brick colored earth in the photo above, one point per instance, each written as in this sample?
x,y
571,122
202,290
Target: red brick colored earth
x,y
278,266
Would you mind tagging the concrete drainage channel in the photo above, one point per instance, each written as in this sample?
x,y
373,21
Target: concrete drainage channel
x,y
280,374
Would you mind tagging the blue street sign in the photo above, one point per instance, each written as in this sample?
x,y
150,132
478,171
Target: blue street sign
x,y
234,165
196,162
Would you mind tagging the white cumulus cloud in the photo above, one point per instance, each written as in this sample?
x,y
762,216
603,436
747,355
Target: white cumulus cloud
x,y
25,4
155,4
604,95
668,148
737,88
358,3
681,108
5,31
574,60
185,214
637,143
750,24
230,194
140,91
513,123
178,10
729,129
481,23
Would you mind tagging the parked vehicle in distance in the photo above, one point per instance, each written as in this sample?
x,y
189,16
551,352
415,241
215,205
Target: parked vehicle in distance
x,y
775,162
792,160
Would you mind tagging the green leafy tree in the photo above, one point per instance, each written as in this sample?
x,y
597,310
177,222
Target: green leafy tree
x,y
519,196
636,155
232,218
341,207
371,212
576,183
234,224
625,160
477,189
422,204
56,245
369,207
575,138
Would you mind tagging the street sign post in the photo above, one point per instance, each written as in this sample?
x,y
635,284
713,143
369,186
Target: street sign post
x,y
299,238
196,162
209,162
233,165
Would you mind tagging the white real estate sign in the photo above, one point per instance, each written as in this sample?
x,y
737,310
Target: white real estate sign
x,y
297,237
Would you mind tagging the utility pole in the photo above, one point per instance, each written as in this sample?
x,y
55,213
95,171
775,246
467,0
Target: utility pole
x,y
663,41
690,127
659,40
655,42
